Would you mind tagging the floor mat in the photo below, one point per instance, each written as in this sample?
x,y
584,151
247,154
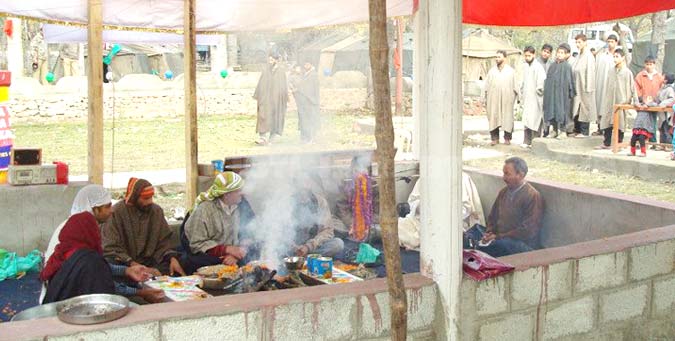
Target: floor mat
x,y
18,295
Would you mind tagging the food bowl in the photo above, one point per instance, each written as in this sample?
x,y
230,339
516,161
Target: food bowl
x,y
294,263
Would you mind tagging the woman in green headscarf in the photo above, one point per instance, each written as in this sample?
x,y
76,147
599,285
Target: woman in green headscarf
x,y
213,231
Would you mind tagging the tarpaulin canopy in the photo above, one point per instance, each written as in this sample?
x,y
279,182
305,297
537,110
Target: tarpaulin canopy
x,y
212,15
76,34
257,15
556,12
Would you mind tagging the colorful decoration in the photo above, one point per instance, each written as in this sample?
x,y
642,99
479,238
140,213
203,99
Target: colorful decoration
x,y
224,73
362,207
113,52
50,77
168,74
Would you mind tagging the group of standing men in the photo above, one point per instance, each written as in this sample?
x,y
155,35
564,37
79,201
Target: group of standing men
x,y
566,94
272,96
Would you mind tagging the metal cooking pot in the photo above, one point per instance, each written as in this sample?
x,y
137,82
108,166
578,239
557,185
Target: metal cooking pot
x,y
294,263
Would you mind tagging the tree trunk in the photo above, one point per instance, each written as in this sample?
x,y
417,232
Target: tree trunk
x,y
659,37
384,135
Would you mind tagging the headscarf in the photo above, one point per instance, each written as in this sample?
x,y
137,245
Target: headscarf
x,y
81,231
88,197
138,188
225,182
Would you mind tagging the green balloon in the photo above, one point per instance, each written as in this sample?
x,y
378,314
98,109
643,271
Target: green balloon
x,y
49,77
223,73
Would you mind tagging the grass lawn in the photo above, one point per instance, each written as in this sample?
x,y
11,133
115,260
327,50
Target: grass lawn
x,y
149,144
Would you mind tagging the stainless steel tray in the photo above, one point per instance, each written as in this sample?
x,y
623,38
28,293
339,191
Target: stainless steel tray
x,y
37,312
92,309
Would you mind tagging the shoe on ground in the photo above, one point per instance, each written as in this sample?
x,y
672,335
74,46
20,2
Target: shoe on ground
x,y
643,155
507,142
602,147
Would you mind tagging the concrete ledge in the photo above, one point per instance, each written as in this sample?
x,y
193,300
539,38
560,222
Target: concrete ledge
x,y
580,152
269,303
577,251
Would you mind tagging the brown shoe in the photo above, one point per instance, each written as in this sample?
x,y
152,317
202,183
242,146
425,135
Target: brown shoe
x,y
597,133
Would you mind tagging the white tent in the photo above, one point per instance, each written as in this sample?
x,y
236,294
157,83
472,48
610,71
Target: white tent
x,y
77,34
212,15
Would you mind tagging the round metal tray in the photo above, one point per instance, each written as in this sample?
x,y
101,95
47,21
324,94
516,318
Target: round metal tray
x,y
92,309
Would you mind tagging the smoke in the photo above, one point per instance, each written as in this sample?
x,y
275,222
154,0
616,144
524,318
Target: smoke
x,y
275,189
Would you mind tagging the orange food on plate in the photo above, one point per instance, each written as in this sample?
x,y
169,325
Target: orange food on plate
x,y
347,267
341,280
175,284
227,270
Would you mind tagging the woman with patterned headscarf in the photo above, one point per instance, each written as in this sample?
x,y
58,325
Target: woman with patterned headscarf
x,y
138,233
213,232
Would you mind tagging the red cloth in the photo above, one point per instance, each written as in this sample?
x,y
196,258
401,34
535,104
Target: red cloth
x,y
81,231
543,13
9,28
217,251
479,265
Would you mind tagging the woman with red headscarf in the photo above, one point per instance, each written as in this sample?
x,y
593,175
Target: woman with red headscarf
x,y
77,266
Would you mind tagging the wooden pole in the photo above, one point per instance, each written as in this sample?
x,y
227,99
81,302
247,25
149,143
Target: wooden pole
x,y
384,135
399,71
191,141
95,92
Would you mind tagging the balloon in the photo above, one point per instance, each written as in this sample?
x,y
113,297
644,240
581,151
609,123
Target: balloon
x,y
326,72
49,77
223,73
168,74
113,52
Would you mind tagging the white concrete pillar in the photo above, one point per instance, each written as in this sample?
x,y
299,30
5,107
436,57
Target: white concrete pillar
x,y
219,55
15,49
438,81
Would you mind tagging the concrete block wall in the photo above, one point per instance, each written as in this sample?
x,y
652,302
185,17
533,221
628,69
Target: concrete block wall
x,y
628,294
597,214
340,312
30,214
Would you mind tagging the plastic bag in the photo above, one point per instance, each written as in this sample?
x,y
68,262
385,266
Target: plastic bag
x,y
367,254
12,265
480,266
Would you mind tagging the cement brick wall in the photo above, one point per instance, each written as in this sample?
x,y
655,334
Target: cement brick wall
x,y
623,295
360,315
30,214
596,214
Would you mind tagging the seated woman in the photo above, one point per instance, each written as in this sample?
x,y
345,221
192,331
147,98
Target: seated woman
x,y
214,232
138,233
76,266
74,263
312,226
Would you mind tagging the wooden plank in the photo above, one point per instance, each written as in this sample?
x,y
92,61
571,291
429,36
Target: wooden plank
x,y
615,127
191,141
95,92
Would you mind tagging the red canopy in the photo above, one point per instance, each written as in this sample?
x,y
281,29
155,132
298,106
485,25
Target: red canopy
x,y
555,12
